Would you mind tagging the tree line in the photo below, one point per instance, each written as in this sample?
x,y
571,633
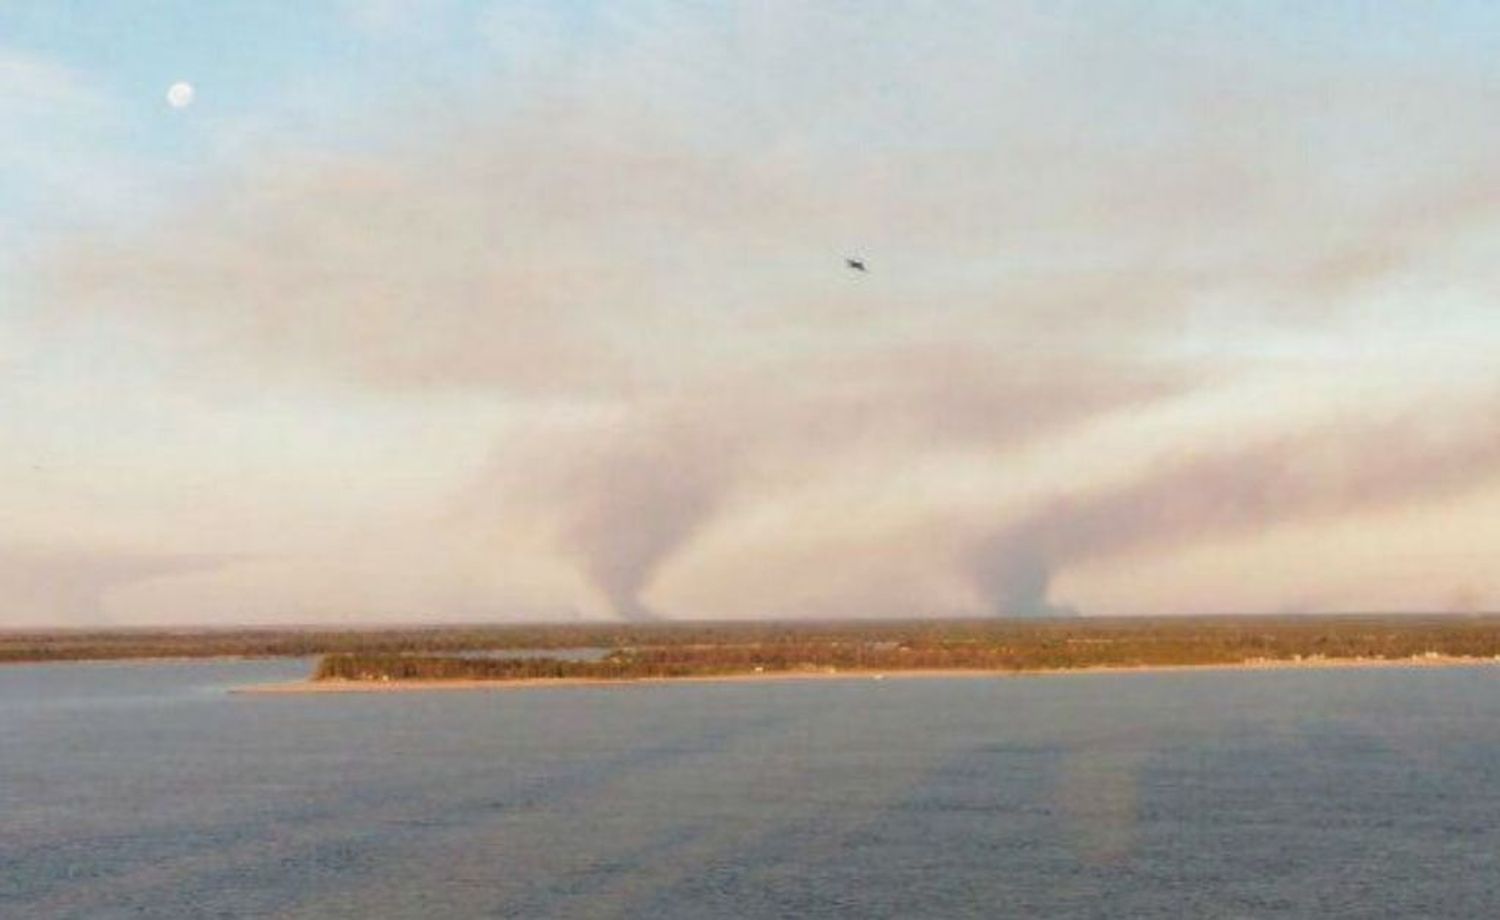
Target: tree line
x,y
998,646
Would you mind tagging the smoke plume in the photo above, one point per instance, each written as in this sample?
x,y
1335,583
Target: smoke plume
x,y
1344,467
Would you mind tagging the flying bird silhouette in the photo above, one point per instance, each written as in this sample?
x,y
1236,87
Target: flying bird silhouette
x,y
856,265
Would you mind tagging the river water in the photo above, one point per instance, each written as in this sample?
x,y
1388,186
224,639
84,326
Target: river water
x,y
149,790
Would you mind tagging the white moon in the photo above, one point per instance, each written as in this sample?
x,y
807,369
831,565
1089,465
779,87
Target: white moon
x,y
180,95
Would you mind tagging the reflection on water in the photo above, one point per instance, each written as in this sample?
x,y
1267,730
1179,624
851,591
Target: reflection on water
x,y
148,790
1098,797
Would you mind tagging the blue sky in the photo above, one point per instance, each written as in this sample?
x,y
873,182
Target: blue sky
x,y
495,309
319,71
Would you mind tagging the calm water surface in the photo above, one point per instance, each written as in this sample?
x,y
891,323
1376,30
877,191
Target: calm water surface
x,y
147,790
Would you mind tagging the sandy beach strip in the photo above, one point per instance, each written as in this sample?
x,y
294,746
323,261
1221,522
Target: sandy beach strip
x,y
409,686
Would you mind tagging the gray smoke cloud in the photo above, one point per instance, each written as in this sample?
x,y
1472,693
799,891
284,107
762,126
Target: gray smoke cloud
x,y
623,496
1343,467
52,587
643,248
623,505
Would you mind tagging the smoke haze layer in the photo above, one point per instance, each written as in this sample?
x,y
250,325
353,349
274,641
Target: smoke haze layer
x,y
504,308
1339,468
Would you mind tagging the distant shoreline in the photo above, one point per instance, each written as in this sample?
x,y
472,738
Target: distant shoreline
x,y
302,687
147,660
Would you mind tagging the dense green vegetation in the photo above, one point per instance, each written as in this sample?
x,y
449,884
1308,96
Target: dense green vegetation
x,y
707,650
81,645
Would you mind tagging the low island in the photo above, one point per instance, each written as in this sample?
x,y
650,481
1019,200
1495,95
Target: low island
x,y
462,656
765,652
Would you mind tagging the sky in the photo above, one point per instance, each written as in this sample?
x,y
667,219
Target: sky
x,y
456,310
